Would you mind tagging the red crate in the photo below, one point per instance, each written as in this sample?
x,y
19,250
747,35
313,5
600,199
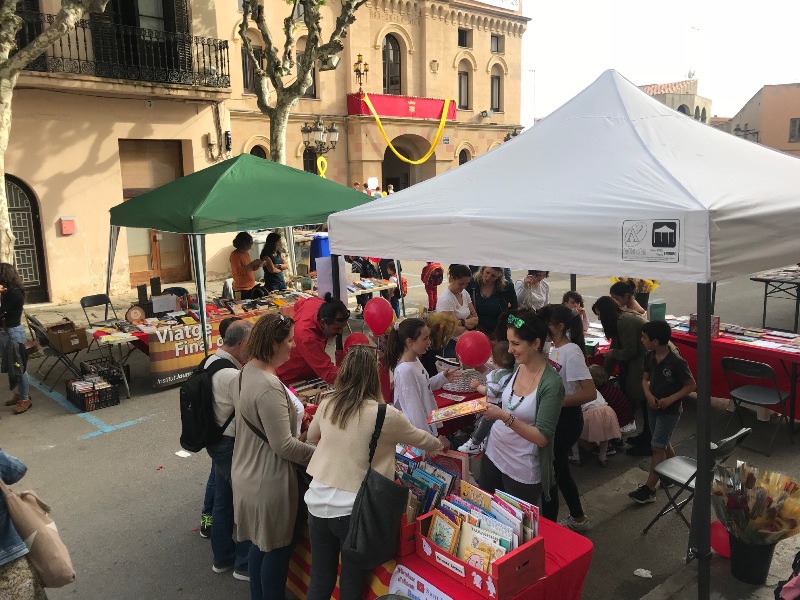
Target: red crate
x,y
408,535
509,575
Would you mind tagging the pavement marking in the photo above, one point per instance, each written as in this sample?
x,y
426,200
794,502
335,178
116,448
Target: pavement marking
x,y
101,426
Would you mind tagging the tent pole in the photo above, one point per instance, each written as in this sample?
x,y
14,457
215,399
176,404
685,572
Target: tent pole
x,y
113,236
337,292
400,286
288,235
700,531
198,266
573,282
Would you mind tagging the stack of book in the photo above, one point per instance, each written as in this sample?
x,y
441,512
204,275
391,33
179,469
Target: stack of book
x,y
479,527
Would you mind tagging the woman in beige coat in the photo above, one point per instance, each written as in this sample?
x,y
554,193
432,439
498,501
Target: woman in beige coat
x,y
343,425
265,494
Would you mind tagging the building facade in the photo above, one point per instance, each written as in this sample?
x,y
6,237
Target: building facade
x,y
771,117
681,96
152,90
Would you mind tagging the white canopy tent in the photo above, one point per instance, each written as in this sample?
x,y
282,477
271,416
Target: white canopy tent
x,y
611,183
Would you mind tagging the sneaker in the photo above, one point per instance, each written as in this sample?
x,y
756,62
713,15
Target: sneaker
x,y
217,569
643,495
471,447
575,460
639,451
205,525
241,574
618,443
571,523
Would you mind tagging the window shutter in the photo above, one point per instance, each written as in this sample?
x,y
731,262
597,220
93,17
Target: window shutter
x,y
104,41
176,14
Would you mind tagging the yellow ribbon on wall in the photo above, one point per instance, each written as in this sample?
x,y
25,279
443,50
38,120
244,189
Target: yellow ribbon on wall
x,y
436,140
322,166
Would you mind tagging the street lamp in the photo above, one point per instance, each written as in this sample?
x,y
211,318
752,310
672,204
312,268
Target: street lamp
x,y
512,134
743,133
321,138
361,69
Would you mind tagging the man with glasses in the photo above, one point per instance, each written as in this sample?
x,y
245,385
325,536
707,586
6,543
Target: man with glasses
x,y
316,321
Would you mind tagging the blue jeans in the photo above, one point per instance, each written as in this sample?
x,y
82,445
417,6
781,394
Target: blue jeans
x,y
208,499
268,572
225,550
16,334
395,302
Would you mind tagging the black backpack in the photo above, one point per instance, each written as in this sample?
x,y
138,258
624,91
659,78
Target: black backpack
x,y
199,428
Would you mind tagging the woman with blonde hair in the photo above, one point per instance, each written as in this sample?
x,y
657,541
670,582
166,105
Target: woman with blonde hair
x,y
265,487
343,426
491,296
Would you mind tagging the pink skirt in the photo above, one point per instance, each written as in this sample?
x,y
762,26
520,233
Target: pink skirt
x,y
600,425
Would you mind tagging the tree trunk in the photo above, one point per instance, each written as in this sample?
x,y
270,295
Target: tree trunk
x,y
7,238
278,121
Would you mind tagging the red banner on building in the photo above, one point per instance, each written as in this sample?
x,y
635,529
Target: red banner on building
x,y
400,106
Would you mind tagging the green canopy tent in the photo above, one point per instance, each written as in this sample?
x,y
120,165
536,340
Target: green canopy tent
x,y
238,194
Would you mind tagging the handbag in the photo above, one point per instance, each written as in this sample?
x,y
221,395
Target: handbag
x,y
47,552
377,513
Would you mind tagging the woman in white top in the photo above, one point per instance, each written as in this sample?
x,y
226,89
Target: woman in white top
x,y
413,389
533,292
455,301
343,426
567,357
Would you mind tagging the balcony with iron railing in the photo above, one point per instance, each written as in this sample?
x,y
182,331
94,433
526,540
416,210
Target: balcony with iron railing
x,y
99,47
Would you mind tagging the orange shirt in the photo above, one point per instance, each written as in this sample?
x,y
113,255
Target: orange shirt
x,y
244,278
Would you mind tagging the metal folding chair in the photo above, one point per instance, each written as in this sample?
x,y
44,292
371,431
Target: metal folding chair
x,y
66,359
738,369
99,300
680,473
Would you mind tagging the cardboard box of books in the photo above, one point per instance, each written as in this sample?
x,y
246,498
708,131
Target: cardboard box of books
x,y
66,337
486,542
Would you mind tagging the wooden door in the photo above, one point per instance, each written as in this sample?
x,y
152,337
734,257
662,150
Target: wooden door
x,y
146,165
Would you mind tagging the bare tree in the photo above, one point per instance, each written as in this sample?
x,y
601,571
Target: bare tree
x,y
68,16
280,63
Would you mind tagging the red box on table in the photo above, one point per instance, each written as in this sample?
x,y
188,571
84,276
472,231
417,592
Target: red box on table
x,y
509,575
407,541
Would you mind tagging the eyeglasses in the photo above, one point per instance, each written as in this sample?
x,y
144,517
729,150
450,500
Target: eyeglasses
x,y
515,321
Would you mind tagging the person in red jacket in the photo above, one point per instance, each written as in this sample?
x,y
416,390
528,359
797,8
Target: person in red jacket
x,y
316,321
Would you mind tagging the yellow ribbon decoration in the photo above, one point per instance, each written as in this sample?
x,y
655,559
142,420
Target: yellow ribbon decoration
x,y
322,166
436,140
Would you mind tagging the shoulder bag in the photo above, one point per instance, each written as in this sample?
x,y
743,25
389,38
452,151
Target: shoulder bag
x,y
377,512
46,551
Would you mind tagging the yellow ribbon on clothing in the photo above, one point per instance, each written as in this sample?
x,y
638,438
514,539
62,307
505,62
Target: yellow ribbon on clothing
x,y
322,166
436,140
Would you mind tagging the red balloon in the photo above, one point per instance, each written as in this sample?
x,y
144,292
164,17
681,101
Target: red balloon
x,y
720,541
378,315
355,339
473,348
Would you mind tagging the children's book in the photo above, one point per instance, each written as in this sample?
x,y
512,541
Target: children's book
x,y
435,485
449,478
476,495
458,410
443,532
477,558
403,464
454,462
502,515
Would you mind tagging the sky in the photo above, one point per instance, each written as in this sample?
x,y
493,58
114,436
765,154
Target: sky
x,y
734,48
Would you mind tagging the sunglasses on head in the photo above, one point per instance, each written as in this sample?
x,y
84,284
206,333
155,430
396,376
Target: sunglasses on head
x,y
515,321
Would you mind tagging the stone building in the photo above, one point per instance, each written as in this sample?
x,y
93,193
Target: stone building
x,y
681,96
152,90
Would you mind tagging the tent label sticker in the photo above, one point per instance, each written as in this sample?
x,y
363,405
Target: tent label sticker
x,y
651,241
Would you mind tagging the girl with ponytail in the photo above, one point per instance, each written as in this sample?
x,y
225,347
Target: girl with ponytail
x,y
413,389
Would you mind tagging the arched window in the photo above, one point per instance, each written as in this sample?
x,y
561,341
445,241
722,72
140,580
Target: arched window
x,y
464,85
310,161
496,91
463,157
259,151
683,109
696,113
703,116
392,81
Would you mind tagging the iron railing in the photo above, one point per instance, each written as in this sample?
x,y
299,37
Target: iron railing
x,y
99,47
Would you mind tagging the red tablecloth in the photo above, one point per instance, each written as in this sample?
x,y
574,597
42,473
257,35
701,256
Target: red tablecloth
x,y
567,559
782,362
141,342
454,425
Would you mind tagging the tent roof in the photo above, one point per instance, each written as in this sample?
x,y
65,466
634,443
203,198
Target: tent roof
x,y
241,193
589,189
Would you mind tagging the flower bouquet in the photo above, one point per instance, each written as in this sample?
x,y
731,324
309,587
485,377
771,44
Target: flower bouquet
x,y
442,327
756,506
642,286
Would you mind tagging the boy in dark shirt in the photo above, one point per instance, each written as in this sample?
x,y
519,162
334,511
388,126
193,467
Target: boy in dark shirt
x,y
667,381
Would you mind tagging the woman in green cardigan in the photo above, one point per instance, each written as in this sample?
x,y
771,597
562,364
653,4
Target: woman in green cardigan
x,y
519,452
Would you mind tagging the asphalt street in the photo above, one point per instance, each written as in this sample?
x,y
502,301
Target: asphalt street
x,y
129,507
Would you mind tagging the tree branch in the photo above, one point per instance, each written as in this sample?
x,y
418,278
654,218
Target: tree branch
x,y
274,69
345,18
68,16
288,44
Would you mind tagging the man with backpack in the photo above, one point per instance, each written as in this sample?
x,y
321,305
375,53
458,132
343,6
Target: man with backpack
x,y
222,368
